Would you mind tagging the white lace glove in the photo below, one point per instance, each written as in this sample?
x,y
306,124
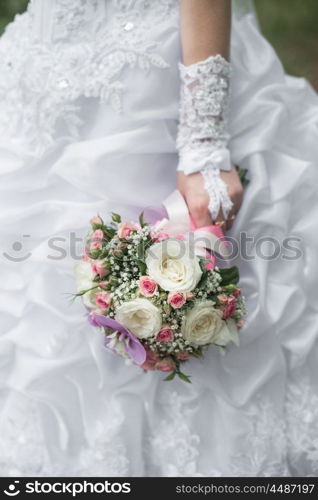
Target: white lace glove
x,y
202,136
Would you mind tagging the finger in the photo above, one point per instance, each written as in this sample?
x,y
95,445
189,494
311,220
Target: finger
x,y
225,223
231,218
201,219
220,220
200,215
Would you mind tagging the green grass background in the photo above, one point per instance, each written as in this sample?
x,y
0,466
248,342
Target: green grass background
x,y
290,25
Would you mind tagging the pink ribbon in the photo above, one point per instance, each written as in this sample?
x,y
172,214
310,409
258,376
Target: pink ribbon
x,y
179,223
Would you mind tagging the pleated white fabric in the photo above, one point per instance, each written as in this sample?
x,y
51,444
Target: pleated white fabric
x,y
88,119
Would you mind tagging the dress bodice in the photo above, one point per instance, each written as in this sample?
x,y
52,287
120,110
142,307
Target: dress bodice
x,y
62,50
78,20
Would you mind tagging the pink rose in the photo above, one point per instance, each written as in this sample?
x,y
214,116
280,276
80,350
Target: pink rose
x,y
86,257
222,298
240,323
99,268
166,365
103,300
97,235
237,292
96,220
151,360
125,229
152,355
117,252
96,245
147,286
229,308
103,284
148,365
183,355
176,299
165,334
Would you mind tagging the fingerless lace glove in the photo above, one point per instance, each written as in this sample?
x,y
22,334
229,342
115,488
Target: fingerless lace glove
x,y
202,136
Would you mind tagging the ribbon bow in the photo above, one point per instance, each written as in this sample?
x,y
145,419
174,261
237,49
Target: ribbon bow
x,y
178,222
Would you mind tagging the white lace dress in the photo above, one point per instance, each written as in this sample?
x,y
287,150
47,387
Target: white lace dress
x,y
89,97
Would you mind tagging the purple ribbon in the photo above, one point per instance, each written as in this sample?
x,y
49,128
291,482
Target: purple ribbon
x,y
132,346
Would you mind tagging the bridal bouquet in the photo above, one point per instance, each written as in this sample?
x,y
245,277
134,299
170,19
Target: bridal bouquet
x,y
159,297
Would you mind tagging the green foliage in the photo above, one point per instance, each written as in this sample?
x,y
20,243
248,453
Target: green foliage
x,y
142,220
182,376
243,175
291,27
170,377
8,9
230,275
116,218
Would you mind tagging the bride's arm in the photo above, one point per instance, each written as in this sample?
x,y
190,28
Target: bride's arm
x,y
205,32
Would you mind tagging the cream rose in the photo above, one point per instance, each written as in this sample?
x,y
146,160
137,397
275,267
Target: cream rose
x,y
141,317
203,325
84,281
170,265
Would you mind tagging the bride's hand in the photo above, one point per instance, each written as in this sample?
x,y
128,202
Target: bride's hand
x,y
192,188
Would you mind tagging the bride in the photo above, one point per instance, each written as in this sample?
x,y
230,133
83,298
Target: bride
x,y
108,105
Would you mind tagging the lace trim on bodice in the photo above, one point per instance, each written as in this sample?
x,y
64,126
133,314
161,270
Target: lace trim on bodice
x,y
79,49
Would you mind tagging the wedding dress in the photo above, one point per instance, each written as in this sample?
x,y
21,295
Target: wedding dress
x,y
89,95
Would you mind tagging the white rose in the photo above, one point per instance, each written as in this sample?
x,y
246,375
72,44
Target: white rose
x,y
84,275
203,325
170,265
84,281
141,317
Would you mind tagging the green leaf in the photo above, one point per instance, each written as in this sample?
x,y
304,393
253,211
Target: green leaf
x,y
142,266
230,275
197,353
141,220
242,173
184,377
170,377
141,250
82,292
95,253
203,279
109,232
116,218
